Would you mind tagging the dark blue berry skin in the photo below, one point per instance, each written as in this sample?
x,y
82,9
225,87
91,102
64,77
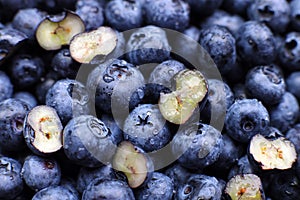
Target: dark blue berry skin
x,y
239,91
116,132
108,189
276,13
255,43
285,114
167,13
39,173
91,12
204,7
241,167
246,118
11,184
148,44
64,65
220,44
55,6
27,98
112,83
237,6
44,85
26,70
88,142
146,127
293,135
295,14
198,145
87,175
12,114
27,20
55,192
289,52
178,174
70,184
200,186
123,14
69,98
292,83
159,187
265,84
6,87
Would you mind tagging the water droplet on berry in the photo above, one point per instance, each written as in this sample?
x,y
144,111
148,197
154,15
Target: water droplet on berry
x,y
108,78
195,140
152,141
155,132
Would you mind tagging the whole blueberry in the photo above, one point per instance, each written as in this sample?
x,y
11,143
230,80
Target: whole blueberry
x,y
11,184
285,114
159,187
6,86
69,98
27,97
295,14
39,172
255,43
292,82
275,13
12,114
246,118
204,7
237,6
265,84
123,14
55,192
289,52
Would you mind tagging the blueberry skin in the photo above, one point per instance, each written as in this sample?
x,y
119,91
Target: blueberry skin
x,y
64,65
70,184
200,186
148,44
246,118
116,132
204,7
86,175
178,174
293,135
289,52
159,187
27,98
39,173
12,114
91,12
124,15
220,44
11,184
285,114
27,20
295,14
69,97
108,189
6,87
55,192
255,44
26,70
237,6
239,91
198,145
275,13
44,85
146,127
241,167
265,84
88,142
292,82
167,13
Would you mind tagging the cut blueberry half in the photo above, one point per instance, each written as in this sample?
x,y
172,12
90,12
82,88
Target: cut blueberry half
x,y
244,187
43,130
54,32
134,163
100,42
271,154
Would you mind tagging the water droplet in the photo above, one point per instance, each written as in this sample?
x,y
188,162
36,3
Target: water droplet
x,y
152,141
108,78
66,146
155,132
140,93
195,140
148,113
11,177
171,71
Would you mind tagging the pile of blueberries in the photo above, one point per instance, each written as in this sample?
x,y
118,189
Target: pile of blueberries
x,y
143,121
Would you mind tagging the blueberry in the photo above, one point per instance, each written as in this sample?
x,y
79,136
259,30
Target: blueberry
x,y
265,84
293,135
6,87
159,187
178,174
55,192
91,12
88,142
204,7
148,44
46,83
111,124
290,51
124,14
241,167
39,173
54,6
27,97
167,13
276,13
220,44
245,118
26,70
70,184
69,98
237,6
108,189
11,184
292,82
239,91
295,14
146,127
198,145
255,43
285,114
200,186
12,114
